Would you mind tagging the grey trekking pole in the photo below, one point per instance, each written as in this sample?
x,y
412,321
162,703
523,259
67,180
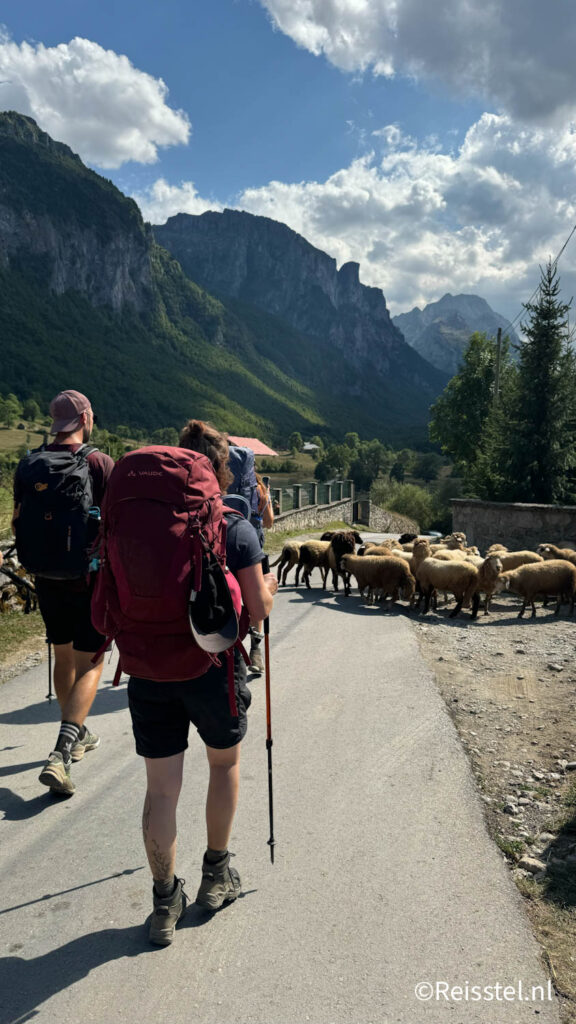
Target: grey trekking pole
x,y
271,841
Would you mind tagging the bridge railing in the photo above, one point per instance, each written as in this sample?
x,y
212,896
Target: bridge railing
x,y
306,494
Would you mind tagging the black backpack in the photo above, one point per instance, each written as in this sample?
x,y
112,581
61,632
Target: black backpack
x,y
54,528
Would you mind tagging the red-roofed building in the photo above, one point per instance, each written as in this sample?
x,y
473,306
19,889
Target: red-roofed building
x,y
258,447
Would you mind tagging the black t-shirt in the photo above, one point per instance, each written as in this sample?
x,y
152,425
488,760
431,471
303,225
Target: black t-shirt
x,y
242,544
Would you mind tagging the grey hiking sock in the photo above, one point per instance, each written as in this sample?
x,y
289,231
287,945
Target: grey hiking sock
x,y
214,856
69,732
164,888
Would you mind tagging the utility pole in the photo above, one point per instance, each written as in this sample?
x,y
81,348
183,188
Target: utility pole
x,y
497,367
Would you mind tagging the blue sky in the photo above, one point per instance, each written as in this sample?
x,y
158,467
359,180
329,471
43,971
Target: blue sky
x,y
406,135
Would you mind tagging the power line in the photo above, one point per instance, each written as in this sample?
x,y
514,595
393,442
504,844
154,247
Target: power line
x,y
513,323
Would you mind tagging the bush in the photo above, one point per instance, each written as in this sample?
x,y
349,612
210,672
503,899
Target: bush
x,y
407,499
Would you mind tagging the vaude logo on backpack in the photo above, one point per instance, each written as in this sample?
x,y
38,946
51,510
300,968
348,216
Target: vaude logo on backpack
x,y
163,592
53,526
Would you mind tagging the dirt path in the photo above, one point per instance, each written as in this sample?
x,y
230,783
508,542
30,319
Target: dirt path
x,y
510,686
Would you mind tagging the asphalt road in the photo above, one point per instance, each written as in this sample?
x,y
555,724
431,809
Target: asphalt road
x,y
384,877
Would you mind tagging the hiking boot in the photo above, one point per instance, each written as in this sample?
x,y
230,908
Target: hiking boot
x,y
56,774
220,884
256,660
89,742
167,912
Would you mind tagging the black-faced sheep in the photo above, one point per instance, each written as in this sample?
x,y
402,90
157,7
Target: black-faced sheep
x,y
343,542
555,577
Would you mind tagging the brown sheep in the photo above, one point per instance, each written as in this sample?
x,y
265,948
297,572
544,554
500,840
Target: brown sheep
x,y
549,551
313,555
381,576
287,558
459,578
554,577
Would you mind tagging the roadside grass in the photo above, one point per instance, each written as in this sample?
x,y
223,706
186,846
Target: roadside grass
x,y
18,632
5,512
552,915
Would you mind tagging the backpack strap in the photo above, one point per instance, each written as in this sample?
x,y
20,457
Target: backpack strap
x,y
86,450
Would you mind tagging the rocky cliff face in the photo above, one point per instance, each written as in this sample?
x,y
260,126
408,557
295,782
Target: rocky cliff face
x,y
441,331
265,264
71,227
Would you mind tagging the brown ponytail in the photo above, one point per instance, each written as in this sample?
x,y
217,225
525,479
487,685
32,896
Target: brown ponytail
x,y
204,438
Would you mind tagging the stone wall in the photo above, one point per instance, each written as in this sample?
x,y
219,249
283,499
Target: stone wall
x,y
313,516
375,518
382,521
515,525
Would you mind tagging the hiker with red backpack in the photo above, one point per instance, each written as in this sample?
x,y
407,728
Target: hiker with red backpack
x,y
58,491
179,582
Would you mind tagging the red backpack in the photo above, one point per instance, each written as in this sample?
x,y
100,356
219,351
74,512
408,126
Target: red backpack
x,y
163,544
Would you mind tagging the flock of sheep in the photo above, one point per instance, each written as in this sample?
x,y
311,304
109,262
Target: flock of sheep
x,y
415,570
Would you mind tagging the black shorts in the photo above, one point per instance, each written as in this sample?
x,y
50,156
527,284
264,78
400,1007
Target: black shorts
x,y
65,608
162,712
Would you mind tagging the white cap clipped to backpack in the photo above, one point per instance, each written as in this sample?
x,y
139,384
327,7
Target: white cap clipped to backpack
x,y
213,618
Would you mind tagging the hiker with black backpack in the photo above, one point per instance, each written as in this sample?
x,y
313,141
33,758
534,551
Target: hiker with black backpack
x,y
58,492
248,492
180,580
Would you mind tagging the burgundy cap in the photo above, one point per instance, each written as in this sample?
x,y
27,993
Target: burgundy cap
x,y
66,410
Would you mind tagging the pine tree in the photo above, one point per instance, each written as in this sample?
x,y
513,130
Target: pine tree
x,y
543,434
460,415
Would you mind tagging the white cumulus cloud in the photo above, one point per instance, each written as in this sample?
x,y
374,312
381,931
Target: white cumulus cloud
x,y
93,99
519,54
422,222
162,200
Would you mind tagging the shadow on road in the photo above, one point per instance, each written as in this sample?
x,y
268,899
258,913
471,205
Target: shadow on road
x,y
108,699
26,984
15,808
336,601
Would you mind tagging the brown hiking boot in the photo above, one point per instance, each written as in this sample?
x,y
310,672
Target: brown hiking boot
x,y
220,884
167,912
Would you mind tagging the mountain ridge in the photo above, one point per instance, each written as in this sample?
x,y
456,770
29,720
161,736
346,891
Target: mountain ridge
x,y
441,330
89,299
